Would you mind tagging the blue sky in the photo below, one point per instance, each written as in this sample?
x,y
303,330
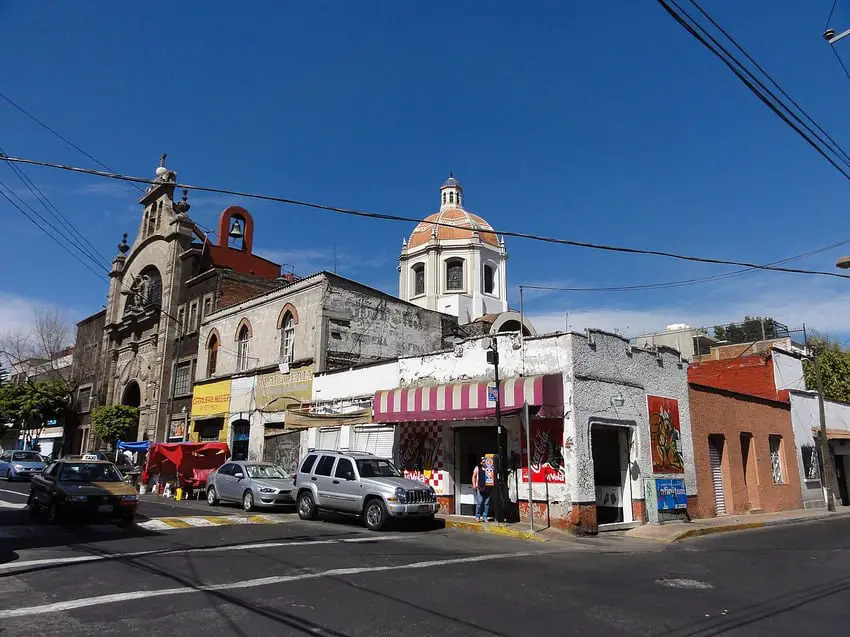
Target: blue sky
x,y
595,121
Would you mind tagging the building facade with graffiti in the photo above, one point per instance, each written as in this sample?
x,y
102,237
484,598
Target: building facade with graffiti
x,y
604,416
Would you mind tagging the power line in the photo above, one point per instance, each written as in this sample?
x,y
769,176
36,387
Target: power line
x,y
90,252
760,94
761,69
389,217
60,136
683,282
36,224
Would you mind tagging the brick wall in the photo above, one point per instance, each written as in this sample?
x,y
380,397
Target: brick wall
x,y
726,414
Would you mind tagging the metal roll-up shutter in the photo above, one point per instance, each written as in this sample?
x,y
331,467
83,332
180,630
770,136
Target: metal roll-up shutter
x,y
328,438
715,457
377,440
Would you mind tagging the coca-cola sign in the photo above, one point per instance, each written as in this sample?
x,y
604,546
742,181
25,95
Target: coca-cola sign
x,y
547,457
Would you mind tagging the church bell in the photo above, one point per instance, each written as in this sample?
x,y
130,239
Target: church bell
x,y
236,230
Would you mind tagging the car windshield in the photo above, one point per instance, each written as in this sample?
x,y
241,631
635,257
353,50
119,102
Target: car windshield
x,y
377,468
265,471
26,456
89,472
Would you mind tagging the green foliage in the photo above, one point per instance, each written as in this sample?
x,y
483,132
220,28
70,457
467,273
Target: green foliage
x,y
749,330
31,405
111,422
720,332
835,370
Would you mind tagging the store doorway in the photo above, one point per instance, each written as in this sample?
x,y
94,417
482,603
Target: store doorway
x,y
610,450
471,443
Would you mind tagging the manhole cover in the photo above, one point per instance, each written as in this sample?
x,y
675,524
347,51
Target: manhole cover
x,y
676,582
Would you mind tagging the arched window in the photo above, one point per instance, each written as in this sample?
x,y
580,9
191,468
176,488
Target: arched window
x,y
287,339
444,197
451,197
212,355
489,279
151,287
153,220
242,348
454,274
418,279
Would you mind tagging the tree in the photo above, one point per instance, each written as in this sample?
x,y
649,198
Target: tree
x,y
111,422
38,352
29,406
835,368
752,328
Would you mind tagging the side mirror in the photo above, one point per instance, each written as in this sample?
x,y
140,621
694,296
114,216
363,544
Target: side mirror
x,y
239,475
349,475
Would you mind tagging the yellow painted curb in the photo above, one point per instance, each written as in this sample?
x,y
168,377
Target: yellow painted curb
x,y
494,529
709,530
175,523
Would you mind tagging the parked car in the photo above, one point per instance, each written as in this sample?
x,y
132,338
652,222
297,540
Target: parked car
x,y
361,484
18,465
253,484
89,488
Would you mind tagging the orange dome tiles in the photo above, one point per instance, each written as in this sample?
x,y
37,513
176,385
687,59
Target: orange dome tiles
x,y
466,224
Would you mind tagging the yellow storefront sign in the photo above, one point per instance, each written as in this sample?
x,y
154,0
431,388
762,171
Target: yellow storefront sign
x,y
276,391
212,399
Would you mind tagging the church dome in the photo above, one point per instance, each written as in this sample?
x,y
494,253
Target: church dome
x,y
460,224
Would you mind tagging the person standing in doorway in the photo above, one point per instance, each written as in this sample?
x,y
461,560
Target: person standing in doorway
x,y
481,490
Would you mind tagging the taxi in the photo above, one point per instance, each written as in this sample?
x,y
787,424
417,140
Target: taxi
x,y
82,487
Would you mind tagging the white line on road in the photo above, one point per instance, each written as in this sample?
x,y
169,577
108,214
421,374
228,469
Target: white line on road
x,y
58,607
23,494
12,505
79,559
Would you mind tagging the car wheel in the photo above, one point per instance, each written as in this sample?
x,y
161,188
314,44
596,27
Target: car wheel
x,y
32,505
8,475
248,501
212,497
375,515
53,515
306,506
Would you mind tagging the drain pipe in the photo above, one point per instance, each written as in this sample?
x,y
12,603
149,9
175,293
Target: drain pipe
x,y
525,419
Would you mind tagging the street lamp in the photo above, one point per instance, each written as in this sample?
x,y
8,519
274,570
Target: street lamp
x,y
843,263
498,504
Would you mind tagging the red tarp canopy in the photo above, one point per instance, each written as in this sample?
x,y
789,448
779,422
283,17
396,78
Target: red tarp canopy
x,y
184,459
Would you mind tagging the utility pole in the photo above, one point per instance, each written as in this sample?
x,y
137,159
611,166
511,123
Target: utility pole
x,y
826,457
499,504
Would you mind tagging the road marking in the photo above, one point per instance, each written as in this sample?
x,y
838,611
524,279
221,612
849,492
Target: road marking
x,y
683,583
55,561
20,493
58,607
12,505
164,524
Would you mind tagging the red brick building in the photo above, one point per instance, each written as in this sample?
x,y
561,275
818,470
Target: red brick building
x,y
744,449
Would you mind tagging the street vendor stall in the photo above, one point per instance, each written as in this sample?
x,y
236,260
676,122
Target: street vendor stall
x,y
184,464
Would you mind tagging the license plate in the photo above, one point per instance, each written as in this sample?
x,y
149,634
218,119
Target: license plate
x,y
424,508
105,508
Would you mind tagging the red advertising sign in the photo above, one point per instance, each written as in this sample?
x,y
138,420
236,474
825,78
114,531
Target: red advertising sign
x,y
665,435
547,457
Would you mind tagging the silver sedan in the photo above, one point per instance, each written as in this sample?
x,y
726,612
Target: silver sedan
x,y
252,484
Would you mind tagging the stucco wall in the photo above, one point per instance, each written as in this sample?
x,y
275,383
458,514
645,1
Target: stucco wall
x,y
719,413
804,417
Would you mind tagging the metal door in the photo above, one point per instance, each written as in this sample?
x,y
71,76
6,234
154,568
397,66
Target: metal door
x,y
377,440
715,459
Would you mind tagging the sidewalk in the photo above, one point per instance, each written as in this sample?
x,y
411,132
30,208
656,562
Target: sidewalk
x,y
518,530
674,531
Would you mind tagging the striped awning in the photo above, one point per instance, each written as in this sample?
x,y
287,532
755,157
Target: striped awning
x,y
469,401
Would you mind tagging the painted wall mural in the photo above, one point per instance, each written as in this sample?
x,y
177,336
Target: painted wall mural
x,y
665,435
547,458
420,454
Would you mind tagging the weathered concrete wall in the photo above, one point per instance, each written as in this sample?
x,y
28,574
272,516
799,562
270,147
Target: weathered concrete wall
x,y
355,383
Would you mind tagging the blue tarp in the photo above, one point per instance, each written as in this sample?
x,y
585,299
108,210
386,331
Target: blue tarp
x,y
144,445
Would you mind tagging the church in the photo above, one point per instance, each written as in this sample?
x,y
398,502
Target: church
x,y
153,342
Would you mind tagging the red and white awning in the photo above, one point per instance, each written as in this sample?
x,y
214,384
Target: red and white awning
x,y
469,401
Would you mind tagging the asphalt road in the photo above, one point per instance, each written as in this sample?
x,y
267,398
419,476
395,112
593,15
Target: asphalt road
x,y
333,578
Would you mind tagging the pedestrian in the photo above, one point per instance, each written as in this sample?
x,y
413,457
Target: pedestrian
x,y
481,490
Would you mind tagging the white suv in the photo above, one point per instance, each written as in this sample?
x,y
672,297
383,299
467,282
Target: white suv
x,y
361,484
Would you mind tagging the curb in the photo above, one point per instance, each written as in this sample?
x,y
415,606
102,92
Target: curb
x,y
743,526
493,528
